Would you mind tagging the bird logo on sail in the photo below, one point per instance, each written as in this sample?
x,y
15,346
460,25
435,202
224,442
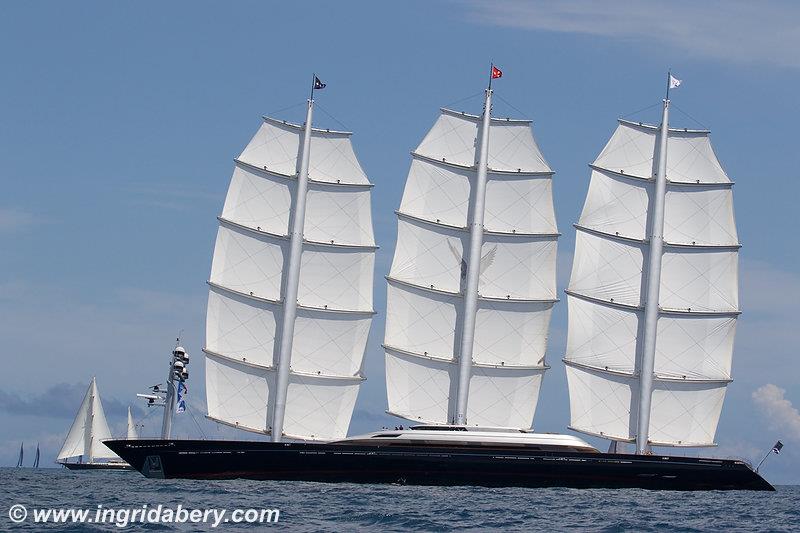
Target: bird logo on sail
x,y
486,260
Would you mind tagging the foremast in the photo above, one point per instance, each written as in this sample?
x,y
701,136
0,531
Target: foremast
x,y
473,265
290,290
292,280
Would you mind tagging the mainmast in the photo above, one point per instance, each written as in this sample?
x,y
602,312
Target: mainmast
x,y
473,264
88,435
653,284
292,278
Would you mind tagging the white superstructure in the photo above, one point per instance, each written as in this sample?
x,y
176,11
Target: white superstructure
x,y
451,435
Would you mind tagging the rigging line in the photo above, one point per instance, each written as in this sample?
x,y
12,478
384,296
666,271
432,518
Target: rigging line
x,y
200,429
641,110
690,117
317,104
463,99
522,113
275,112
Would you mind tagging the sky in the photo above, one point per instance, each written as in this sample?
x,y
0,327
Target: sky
x,y
119,122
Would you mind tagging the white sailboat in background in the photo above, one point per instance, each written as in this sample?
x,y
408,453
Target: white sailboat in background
x,y
85,438
653,297
290,299
132,432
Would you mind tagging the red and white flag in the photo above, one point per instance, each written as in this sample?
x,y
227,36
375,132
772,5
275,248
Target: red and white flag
x,y
496,72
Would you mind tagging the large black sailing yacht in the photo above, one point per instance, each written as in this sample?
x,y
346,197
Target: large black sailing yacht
x,y
470,293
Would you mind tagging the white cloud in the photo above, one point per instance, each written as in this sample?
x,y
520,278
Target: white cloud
x,y
780,412
14,219
730,30
172,196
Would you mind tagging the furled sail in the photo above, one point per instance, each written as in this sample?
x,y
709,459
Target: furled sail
x,y
248,281
427,283
698,292
88,431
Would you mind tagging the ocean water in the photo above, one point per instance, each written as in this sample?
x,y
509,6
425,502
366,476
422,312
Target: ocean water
x,y
349,507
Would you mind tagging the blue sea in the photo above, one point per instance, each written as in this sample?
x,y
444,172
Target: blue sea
x,y
348,507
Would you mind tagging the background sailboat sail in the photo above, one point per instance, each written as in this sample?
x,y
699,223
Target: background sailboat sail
x,y
248,283
427,283
88,431
698,290
132,433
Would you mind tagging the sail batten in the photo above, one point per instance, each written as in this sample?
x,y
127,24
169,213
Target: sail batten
x,y
428,286
697,304
246,325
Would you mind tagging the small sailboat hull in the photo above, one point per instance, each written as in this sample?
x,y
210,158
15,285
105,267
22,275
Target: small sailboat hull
x,y
97,466
431,465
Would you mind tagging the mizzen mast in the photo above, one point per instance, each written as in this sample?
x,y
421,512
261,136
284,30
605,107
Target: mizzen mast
x,y
653,284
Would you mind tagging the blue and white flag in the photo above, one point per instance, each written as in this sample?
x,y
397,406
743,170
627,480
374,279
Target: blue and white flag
x,y
777,448
180,407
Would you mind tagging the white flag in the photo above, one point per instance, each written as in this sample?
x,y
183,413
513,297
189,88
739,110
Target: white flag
x,y
674,82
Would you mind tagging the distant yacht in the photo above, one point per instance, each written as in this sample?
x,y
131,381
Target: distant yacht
x,y
21,455
84,441
470,293
36,458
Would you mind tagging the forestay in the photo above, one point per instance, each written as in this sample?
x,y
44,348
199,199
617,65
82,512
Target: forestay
x,y
426,283
248,276
698,302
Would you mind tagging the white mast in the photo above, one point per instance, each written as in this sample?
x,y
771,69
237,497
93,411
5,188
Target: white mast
x,y
292,281
473,266
651,309
88,435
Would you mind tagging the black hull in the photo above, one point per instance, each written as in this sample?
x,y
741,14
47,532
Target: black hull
x,y
97,466
430,465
